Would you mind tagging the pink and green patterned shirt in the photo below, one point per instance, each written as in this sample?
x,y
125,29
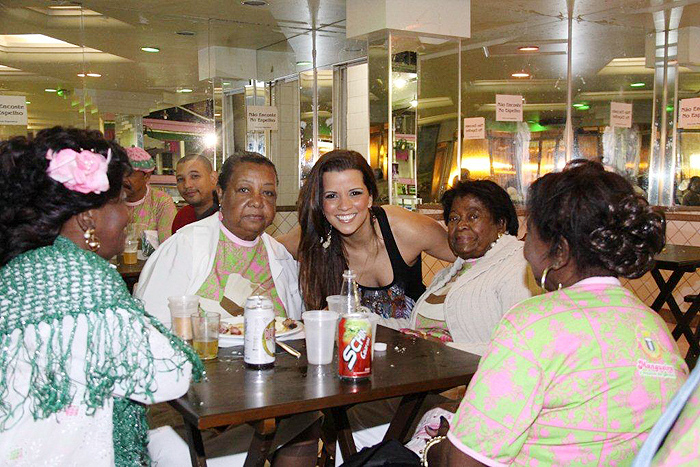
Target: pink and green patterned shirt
x,y
247,263
682,445
573,377
155,211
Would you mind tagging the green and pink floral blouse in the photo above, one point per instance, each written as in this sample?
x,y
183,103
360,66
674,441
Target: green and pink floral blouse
x,y
155,211
682,445
573,377
245,262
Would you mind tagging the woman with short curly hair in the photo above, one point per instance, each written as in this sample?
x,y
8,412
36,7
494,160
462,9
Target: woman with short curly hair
x,y
578,375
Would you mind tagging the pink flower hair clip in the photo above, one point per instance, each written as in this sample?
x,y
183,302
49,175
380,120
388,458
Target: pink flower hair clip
x,y
84,171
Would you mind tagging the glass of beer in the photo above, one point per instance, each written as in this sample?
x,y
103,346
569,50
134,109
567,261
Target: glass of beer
x,y
205,334
131,246
181,308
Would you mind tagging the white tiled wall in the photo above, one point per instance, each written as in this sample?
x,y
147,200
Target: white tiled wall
x,y
358,109
284,144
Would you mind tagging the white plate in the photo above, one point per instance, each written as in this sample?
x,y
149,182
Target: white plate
x,y
226,340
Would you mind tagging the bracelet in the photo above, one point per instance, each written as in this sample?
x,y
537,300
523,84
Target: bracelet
x,y
431,443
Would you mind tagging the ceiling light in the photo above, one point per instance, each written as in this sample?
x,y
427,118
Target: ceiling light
x,y
209,140
64,7
583,107
520,74
185,33
304,63
579,104
217,114
51,90
94,75
529,48
637,85
27,102
153,50
81,75
184,90
226,83
414,103
253,3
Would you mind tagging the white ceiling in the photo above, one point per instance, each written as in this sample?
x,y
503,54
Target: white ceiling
x,y
603,30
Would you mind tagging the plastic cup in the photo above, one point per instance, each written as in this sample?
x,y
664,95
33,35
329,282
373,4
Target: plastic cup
x,y
131,246
181,308
320,328
205,334
374,320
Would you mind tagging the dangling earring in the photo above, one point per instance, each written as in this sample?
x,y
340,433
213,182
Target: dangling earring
x,y
325,243
91,240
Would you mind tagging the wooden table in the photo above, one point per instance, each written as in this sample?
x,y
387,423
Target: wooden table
x,y
130,272
680,259
233,395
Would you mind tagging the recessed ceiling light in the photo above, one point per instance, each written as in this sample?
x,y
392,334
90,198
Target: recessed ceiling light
x,y
579,104
583,107
184,90
185,33
529,48
94,75
414,103
64,7
253,3
81,75
51,90
637,85
153,50
217,114
27,102
304,63
520,74
226,83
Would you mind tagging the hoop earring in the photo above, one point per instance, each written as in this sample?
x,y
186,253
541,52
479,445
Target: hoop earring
x,y
326,243
91,240
543,279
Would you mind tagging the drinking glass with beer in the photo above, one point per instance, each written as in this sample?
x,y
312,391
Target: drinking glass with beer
x,y
131,246
205,334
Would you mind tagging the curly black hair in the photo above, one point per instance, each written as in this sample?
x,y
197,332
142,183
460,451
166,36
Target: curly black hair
x,y
491,195
33,206
606,225
238,158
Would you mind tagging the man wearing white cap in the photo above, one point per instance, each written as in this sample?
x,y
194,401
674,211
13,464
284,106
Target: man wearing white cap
x,y
149,209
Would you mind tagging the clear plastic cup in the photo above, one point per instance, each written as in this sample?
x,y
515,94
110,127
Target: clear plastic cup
x,y
335,303
131,246
374,320
181,308
205,334
320,329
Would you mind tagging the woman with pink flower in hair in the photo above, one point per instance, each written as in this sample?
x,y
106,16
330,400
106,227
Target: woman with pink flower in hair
x,y
149,208
80,356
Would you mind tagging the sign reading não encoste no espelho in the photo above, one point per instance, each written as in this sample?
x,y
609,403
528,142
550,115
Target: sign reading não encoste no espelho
x,y
13,110
689,113
261,117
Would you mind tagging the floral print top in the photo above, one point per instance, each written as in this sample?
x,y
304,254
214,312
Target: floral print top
x,y
573,377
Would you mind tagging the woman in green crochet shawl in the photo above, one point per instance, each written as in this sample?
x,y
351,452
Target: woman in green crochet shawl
x,y
80,357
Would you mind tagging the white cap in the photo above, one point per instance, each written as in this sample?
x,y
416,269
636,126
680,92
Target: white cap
x,y
380,346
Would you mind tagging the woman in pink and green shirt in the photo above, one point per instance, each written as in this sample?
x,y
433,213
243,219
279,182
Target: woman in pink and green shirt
x,y
579,375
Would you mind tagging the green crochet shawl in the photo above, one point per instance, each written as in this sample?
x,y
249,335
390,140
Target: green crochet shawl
x,y
49,284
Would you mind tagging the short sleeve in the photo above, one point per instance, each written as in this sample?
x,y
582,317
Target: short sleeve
x,y
504,398
166,216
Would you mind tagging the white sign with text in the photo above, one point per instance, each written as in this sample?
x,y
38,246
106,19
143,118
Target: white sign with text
x,y
621,115
13,110
475,128
509,108
261,117
689,113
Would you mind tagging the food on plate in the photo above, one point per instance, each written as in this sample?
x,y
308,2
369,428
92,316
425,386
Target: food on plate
x,y
237,327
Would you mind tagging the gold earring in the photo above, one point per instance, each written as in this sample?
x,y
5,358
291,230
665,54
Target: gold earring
x,y
543,279
91,240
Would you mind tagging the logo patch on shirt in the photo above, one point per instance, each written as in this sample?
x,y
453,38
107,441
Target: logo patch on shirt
x,y
655,370
648,344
